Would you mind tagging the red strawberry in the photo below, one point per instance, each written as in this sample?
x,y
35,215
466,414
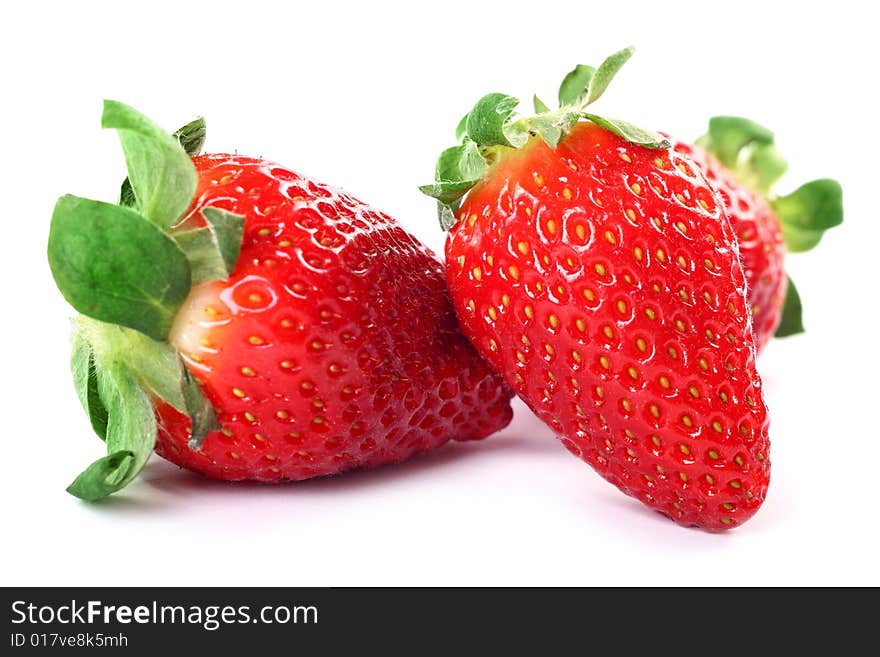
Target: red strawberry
x,y
597,270
320,333
763,222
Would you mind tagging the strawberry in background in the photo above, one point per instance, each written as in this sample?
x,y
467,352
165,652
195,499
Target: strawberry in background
x,y
597,271
740,159
250,323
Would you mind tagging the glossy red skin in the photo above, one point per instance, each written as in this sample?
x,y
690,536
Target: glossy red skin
x,y
761,243
604,415
360,361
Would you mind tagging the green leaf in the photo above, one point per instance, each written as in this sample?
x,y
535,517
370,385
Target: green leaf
x,y
446,215
540,105
213,250
448,192
603,75
161,173
488,121
574,85
728,135
791,322
201,413
191,138
808,212
111,264
461,128
462,162
630,132
131,434
85,379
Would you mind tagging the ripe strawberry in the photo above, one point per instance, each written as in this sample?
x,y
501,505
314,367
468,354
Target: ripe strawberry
x,y
265,326
765,224
597,270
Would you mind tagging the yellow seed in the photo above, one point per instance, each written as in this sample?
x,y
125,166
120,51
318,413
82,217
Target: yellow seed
x,y
505,300
238,392
703,363
680,197
492,313
684,449
600,269
738,460
493,345
528,212
525,340
580,231
631,214
703,204
636,187
549,349
250,417
710,479
687,421
683,295
716,426
576,356
672,353
581,325
683,477
608,331
661,255
625,157
247,371
658,163
523,247
539,180
734,483
641,345
286,364
566,193
655,411
627,405
551,227
472,219
226,432
638,253
478,273
255,340
710,334
656,441
570,262
553,321
282,414
490,260
682,227
633,372
682,262
234,456
263,232
621,307
471,305
650,314
723,396
609,237
664,381
604,362
713,455
680,325
520,356
514,272
728,506
600,392
709,264
695,393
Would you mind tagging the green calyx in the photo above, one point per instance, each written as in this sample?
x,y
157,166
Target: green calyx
x,y
492,127
748,150
127,269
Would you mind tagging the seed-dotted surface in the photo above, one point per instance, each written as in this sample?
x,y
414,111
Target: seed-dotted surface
x,y
602,280
333,345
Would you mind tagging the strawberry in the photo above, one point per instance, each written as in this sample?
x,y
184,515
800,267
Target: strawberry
x,y
766,225
597,271
252,324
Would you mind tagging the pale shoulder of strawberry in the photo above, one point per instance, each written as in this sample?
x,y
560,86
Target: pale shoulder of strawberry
x,y
748,151
127,270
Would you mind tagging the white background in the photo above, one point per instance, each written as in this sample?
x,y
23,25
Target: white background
x,y
364,95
